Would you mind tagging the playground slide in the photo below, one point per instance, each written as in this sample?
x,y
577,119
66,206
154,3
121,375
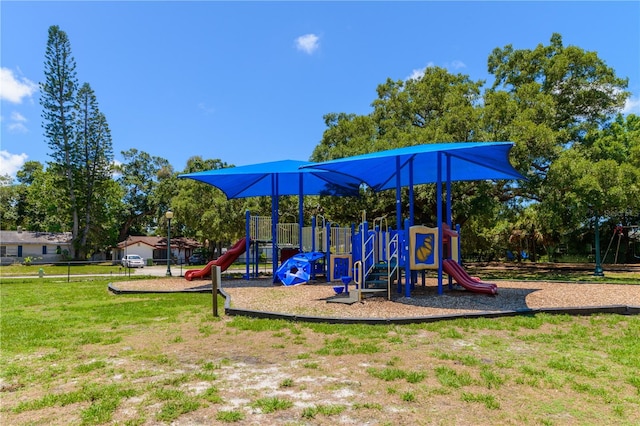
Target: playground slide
x,y
451,267
223,261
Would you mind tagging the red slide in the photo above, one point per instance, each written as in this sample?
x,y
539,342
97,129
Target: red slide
x,y
223,261
458,273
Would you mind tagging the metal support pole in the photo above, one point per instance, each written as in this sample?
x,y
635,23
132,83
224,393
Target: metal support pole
x,y
169,248
439,218
598,271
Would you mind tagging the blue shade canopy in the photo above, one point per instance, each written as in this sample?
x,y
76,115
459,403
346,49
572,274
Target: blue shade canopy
x,y
277,178
469,161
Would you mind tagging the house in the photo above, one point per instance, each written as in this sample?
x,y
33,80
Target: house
x,y
155,248
41,247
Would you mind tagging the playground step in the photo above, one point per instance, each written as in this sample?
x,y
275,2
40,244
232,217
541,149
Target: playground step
x,y
384,265
377,276
375,283
348,298
352,297
373,290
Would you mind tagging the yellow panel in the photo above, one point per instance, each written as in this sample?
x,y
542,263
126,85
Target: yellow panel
x,y
423,248
455,255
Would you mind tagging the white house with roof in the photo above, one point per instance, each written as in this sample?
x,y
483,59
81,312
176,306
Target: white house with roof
x,y
15,246
155,248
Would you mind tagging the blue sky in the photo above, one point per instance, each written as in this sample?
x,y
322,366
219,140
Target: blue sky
x,y
249,82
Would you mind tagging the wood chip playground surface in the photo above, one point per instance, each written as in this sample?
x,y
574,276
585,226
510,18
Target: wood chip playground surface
x,y
311,301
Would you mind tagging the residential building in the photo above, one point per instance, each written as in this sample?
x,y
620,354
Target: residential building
x,y
40,247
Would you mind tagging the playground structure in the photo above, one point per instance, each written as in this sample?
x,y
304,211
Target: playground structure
x,y
371,256
320,249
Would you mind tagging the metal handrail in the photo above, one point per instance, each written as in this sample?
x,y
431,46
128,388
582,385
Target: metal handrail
x,y
370,255
395,270
358,277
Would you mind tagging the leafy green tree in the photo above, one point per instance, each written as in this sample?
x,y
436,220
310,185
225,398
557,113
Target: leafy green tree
x,y
204,212
345,135
546,99
585,90
9,201
600,176
35,201
437,107
140,174
105,228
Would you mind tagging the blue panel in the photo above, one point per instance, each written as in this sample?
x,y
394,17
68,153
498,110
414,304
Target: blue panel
x,y
469,161
255,180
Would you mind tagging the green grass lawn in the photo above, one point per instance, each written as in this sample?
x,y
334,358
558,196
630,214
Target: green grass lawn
x,y
72,353
106,268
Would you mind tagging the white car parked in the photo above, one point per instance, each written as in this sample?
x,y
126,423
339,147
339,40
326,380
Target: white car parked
x,y
133,261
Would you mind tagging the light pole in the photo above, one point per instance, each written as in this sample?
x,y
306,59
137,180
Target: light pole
x,y
126,242
169,216
180,255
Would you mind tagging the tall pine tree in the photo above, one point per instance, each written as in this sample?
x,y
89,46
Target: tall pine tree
x,y
95,159
57,99
80,143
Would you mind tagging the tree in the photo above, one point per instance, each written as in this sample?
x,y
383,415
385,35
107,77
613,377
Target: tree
x,y
547,99
437,107
9,199
586,91
57,100
598,177
37,200
140,174
95,159
204,212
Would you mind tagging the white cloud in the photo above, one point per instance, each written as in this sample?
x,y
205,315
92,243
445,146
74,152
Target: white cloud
x,y
14,89
631,106
417,74
207,110
16,116
17,123
11,163
456,65
17,128
308,43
